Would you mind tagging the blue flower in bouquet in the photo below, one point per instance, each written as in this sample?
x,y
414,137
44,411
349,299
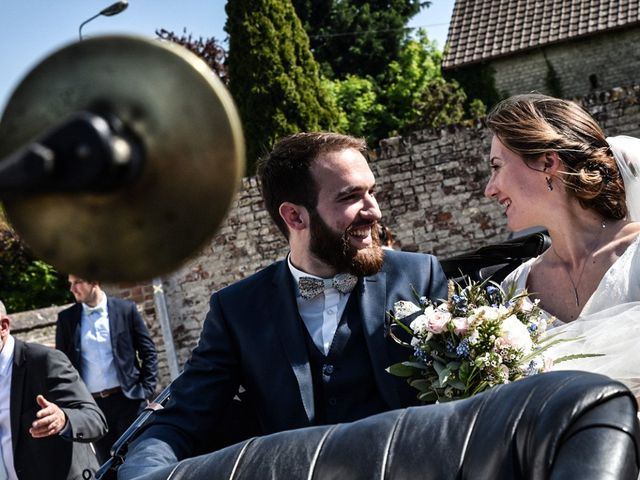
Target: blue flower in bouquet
x,y
462,350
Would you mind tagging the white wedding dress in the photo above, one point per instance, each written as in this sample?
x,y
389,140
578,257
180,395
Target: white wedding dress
x,y
609,323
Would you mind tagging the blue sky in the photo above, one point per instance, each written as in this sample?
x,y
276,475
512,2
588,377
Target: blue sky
x,y
32,29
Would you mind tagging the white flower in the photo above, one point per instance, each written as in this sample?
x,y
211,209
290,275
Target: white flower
x,y
526,305
404,309
515,334
419,325
489,313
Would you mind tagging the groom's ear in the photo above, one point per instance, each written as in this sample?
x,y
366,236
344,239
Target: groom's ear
x,y
295,216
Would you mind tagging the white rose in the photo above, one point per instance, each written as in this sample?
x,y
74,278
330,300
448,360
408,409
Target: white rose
x,y
419,325
490,313
515,334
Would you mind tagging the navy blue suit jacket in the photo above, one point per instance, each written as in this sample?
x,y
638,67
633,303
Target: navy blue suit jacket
x,y
252,336
134,352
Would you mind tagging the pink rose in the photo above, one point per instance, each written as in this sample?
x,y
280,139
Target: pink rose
x,y
437,321
461,325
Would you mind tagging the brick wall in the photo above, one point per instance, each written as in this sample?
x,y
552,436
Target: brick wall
x,y
430,188
614,58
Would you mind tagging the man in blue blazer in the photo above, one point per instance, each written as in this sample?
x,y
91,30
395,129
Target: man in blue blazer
x,y
108,343
306,336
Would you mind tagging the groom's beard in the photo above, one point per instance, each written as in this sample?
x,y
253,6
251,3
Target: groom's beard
x,y
335,249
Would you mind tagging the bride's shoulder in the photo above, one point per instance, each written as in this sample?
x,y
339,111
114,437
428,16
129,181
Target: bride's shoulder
x,y
519,275
633,227
628,237
629,233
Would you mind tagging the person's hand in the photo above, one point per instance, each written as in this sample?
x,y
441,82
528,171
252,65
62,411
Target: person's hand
x,y
50,419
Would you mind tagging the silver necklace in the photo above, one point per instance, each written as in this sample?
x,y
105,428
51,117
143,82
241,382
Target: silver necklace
x,y
577,282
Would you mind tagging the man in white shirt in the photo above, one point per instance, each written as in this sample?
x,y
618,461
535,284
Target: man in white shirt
x,y
47,416
306,335
109,344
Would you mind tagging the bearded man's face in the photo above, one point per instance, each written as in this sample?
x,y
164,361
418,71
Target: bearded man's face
x,y
335,248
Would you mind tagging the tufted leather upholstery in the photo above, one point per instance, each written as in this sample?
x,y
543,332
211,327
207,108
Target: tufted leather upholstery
x,y
497,260
558,425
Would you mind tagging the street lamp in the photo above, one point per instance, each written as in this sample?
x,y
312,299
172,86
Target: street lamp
x,y
111,10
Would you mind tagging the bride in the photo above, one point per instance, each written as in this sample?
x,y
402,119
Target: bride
x,y
553,167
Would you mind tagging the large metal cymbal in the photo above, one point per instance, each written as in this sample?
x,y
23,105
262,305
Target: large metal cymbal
x,y
193,157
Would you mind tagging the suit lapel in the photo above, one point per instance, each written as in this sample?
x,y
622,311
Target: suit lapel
x,y
76,319
284,310
373,296
112,316
17,390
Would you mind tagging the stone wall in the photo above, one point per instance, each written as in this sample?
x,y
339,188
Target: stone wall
x,y
430,189
40,325
608,59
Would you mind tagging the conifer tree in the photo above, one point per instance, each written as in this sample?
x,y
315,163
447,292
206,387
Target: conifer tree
x,y
273,76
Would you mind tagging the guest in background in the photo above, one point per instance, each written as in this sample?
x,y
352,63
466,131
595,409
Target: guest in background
x,y
386,237
47,416
107,341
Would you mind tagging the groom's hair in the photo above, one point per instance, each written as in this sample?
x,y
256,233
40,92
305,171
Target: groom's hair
x,y
531,125
285,173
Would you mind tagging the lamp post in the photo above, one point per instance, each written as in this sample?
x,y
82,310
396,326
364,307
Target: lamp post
x,y
111,10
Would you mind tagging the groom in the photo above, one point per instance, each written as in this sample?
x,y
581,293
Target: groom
x,y
305,337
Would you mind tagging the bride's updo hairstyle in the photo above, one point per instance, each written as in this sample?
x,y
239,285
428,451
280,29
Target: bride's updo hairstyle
x,y
532,124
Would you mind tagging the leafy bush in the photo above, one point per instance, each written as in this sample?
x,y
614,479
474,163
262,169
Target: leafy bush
x,y
27,283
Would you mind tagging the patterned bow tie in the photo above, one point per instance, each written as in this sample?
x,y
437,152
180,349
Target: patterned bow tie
x,y
312,287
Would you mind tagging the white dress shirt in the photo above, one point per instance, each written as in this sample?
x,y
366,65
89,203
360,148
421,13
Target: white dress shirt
x,y
6,447
320,314
98,368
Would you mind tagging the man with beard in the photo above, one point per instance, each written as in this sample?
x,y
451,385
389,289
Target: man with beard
x,y
305,337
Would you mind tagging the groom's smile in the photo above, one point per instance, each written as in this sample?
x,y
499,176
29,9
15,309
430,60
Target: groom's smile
x,y
343,226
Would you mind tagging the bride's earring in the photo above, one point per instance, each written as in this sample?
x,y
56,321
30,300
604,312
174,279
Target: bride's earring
x,y
548,180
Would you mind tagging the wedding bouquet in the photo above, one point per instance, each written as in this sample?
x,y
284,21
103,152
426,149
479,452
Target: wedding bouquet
x,y
479,337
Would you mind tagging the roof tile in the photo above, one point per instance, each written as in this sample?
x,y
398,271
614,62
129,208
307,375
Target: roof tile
x,y
484,29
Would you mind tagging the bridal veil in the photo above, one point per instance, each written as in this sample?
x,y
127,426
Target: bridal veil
x,y
626,151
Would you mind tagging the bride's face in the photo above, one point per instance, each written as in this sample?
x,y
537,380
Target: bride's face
x,y
518,188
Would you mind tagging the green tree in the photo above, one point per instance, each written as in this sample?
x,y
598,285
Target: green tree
x,y
406,78
356,37
415,94
273,76
411,95
360,107
440,103
27,283
478,82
